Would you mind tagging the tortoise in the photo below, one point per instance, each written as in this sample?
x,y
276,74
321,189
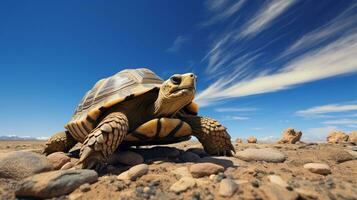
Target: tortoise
x,y
136,107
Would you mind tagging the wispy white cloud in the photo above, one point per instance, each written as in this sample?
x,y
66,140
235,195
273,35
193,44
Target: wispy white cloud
x,y
265,16
224,12
236,109
177,44
341,122
336,58
215,5
330,108
232,118
317,134
344,22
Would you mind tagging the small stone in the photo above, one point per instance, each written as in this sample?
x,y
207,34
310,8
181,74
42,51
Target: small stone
x,y
126,157
277,180
252,139
273,191
255,183
227,187
134,172
189,157
306,194
85,187
205,169
318,168
58,159
183,184
337,137
21,164
146,189
265,154
55,183
238,141
182,172
339,155
353,137
290,136
66,166
352,153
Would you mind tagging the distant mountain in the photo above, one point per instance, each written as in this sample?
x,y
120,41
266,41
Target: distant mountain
x,y
15,137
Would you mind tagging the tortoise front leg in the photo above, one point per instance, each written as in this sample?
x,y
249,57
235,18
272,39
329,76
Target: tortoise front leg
x,y
212,135
103,141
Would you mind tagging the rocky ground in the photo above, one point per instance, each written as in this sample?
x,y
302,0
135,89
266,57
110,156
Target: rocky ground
x,y
184,171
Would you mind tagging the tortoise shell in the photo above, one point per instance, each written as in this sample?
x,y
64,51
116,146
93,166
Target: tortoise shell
x,y
107,92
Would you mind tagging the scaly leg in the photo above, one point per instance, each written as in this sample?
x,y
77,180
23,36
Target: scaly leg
x,y
212,135
103,141
61,141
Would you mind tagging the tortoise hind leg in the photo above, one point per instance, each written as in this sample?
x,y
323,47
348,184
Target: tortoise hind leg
x,y
212,135
103,141
61,141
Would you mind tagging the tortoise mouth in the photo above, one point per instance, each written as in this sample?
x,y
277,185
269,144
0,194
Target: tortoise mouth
x,y
183,89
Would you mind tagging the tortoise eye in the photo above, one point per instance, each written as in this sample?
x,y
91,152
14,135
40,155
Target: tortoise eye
x,y
175,80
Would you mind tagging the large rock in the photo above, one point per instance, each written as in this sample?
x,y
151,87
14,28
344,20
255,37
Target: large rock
x,y
290,136
353,137
134,172
337,137
21,164
55,183
58,159
126,157
183,184
318,168
238,141
265,154
205,169
227,187
252,139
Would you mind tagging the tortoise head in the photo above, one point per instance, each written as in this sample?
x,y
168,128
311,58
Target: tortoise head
x,y
175,93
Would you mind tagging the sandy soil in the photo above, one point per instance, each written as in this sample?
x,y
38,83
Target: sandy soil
x,y
251,176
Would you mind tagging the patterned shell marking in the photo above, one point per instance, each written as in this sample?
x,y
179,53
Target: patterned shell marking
x,y
108,92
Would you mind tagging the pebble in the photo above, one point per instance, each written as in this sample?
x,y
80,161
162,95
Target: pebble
x,y
277,180
126,157
205,169
66,166
55,183
318,168
21,164
252,139
189,157
134,172
339,155
183,184
58,159
227,187
182,172
85,187
265,154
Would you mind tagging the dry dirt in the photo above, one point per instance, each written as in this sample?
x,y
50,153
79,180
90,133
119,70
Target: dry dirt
x,y
251,176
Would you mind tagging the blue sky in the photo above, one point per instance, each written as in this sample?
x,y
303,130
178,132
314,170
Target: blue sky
x,y
262,66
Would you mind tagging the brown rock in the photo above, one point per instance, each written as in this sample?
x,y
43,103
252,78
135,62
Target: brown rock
x,y
66,166
205,169
126,157
58,159
275,192
55,183
353,137
227,187
183,184
337,137
290,136
318,168
252,139
21,164
239,141
134,172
